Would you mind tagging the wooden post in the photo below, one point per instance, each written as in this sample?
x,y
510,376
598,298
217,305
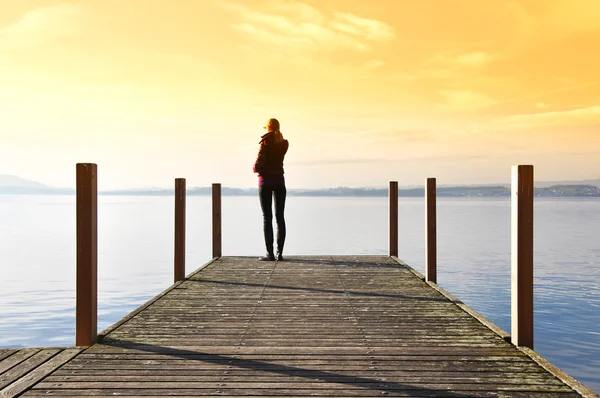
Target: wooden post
x,y
86,310
216,218
522,256
179,272
393,215
430,234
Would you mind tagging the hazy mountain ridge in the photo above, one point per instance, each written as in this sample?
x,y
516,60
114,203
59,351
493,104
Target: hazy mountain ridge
x,y
10,184
17,182
584,188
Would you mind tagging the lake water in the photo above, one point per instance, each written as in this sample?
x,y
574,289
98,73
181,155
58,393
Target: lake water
x,y
135,257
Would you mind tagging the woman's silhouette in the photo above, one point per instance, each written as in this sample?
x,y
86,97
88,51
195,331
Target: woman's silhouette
x,y
271,184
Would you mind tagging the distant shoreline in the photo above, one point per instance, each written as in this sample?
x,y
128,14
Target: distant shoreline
x,y
577,191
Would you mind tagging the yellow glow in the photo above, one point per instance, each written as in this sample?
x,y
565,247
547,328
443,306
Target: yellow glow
x,y
365,91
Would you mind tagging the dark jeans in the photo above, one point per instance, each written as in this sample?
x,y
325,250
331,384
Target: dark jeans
x,y
266,193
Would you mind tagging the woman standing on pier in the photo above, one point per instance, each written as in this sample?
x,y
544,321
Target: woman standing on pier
x,y
271,184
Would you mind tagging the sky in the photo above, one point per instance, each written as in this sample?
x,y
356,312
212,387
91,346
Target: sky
x,y
365,91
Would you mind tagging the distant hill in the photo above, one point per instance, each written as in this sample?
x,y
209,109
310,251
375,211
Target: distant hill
x,y
15,185
545,184
457,191
17,182
587,188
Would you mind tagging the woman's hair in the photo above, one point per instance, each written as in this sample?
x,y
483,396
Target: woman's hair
x,y
273,124
278,136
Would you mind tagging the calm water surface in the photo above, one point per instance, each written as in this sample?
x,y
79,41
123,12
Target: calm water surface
x,y
135,254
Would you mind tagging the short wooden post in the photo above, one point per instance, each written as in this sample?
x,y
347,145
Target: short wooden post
x,y
522,256
393,216
216,220
86,310
179,271
430,234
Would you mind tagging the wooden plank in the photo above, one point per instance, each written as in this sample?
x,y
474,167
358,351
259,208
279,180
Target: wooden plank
x,y
17,358
26,366
5,353
291,393
344,384
43,367
121,347
299,377
253,374
315,358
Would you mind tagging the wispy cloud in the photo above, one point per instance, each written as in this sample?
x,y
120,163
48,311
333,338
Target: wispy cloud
x,y
368,29
41,25
333,161
467,59
446,65
402,137
464,100
399,159
299,25
566,16
373,64
426,74
571,87
581,116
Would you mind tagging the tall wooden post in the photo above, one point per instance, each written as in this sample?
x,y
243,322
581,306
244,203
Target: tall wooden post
x,y
522,256
216,220
86,311
393,216
430,234
179,271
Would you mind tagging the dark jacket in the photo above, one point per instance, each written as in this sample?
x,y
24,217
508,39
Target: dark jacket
x,y
269,162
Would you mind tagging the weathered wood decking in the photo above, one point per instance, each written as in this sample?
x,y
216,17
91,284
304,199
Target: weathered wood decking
x,y
22,368
318,326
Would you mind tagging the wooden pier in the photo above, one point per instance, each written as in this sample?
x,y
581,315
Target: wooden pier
x,y
325,326
309,326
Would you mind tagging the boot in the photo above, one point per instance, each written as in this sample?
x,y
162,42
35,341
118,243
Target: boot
x,y
267,257
280,243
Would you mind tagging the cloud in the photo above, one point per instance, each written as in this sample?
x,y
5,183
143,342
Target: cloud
x,y
369,29
374,64
581,116
469,59
338,161
462,100
303,11
436,157
41,25
571,87
426,74
447,65
410,136
565,16
473,59
295,24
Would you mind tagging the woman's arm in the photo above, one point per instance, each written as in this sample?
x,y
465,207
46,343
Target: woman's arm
x,y
260,159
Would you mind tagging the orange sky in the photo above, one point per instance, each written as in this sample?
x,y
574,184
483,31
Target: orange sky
x,y
366,91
